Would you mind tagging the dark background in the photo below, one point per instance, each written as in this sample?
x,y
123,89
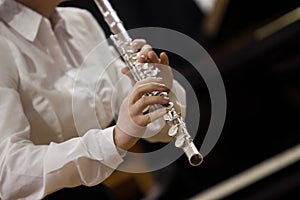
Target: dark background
x,y
261,78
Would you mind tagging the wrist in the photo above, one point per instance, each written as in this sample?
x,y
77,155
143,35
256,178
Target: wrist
x,y
123,140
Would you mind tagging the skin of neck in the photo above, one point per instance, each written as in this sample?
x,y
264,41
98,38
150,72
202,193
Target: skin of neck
x,y
45,7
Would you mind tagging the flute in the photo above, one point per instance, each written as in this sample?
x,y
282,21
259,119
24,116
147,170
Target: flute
x,y
141,71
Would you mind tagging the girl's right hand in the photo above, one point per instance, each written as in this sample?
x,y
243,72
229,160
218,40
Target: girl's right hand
x,y
133,119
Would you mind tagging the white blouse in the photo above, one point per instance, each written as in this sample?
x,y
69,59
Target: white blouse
x,y
58,95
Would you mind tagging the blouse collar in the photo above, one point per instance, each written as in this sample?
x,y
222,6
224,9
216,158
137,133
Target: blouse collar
x,y
24,20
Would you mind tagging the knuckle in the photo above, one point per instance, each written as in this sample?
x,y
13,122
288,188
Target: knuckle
x,y
142,121
139,89
144,100
137,84
147,119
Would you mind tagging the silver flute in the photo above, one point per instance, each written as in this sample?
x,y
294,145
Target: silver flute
x,y
140,71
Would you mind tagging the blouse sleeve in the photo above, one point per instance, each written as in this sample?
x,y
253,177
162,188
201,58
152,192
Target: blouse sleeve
x,y
30,171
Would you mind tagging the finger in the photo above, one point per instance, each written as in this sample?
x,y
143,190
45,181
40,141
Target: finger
x,y
143,89
153,58
145,49
164,59
137,44
142,58
152,116
126,71
140,106
149,80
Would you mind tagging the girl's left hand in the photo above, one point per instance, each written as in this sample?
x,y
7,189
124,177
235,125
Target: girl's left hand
x,y
147,55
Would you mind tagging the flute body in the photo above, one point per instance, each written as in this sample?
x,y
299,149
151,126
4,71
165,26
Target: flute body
x,y
141,71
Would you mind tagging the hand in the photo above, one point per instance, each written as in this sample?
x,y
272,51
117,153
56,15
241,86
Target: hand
x,y
132,120
147,55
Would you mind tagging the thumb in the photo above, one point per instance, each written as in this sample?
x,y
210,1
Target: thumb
x,y
126,71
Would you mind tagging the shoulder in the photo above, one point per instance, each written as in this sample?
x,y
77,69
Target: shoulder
x,y
7,48
75,14
8,70
81,21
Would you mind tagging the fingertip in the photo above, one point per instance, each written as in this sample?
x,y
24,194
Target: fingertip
x,y
153,56
145,49
164,58
163,54
142,58
125,70
158,114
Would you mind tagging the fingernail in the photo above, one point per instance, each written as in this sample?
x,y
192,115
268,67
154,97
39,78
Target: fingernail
x,y
143,57
161,85
147,46
163,111
166,110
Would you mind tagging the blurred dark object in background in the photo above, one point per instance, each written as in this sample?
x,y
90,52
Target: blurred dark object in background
x,y
182,16
260,68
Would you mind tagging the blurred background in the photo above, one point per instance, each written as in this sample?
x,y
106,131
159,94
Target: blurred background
x,y
255,45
